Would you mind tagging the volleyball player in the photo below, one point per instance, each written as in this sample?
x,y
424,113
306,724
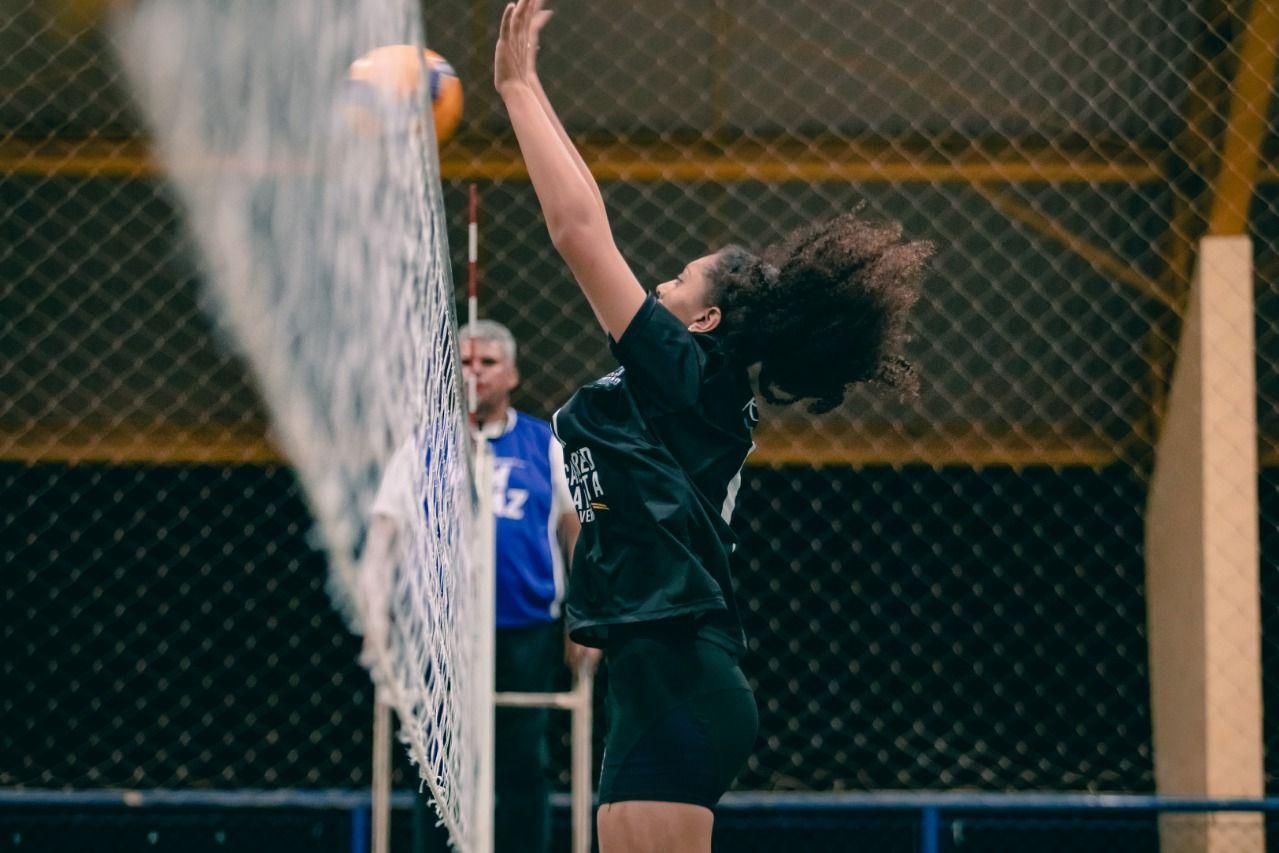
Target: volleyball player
x,y
655,448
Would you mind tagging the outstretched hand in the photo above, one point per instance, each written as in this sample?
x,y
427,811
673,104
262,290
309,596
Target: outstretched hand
x,y
515,60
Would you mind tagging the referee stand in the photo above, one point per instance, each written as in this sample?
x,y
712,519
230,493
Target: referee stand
x,y
578,702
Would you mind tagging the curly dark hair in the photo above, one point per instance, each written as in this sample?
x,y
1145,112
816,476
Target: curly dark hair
x,y
822,310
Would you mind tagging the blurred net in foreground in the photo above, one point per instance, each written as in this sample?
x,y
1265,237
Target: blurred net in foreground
x,y
317,214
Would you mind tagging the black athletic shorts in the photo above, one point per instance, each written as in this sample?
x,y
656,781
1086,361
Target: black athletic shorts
x,y
682,719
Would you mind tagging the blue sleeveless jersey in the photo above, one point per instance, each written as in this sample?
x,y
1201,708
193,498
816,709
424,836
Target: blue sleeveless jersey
x,y
530,569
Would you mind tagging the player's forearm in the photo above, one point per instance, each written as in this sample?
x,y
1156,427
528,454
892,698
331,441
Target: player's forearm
x,y
376,562
379,545
373,592
567,141
567,197
568,531
577,223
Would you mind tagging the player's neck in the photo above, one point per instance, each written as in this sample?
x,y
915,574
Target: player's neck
x,y
488,415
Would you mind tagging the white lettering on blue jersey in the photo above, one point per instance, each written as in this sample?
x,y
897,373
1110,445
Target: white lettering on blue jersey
x,y
508,502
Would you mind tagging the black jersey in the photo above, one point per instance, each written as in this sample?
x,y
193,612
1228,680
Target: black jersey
x,y
654,452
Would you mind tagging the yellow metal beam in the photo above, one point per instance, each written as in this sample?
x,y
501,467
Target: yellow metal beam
x,y
783,441
1095,255
149,444
85,158
1268,451
809,162
778,445
1195,158
1246,126
818,443
781,161
1196,149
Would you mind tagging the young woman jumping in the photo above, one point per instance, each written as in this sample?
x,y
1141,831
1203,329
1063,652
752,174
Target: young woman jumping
x,y
654,452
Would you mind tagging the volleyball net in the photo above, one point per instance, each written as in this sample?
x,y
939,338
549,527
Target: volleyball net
x,y
315,209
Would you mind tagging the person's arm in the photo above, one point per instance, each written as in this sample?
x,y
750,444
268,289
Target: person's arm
x,y
377,563
566,534
566,141
568,195
391,512
576,656
567,526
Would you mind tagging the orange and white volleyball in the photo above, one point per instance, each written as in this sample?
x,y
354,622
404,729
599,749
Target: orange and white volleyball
x,y
72,17
391,83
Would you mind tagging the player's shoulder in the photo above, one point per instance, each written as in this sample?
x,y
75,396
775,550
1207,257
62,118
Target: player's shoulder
x,y
531,426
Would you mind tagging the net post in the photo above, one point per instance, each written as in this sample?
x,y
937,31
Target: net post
x,y
381,794
484,560
581,782
483,557
472,278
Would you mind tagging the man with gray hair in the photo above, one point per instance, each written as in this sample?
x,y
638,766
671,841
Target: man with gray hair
x,y
536,526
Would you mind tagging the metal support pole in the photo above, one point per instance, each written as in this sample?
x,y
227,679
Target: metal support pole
x,y
486,628
579,701
929,830
381,794
359,830
582,725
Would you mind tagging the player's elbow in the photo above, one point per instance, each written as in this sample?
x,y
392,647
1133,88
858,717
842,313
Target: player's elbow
x,y
575,234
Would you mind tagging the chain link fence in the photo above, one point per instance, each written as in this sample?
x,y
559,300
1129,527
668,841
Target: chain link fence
x,y
943,593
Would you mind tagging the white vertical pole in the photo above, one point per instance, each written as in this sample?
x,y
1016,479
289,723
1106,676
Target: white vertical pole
x,y
581,797
472,278
381,795
484,561
485,618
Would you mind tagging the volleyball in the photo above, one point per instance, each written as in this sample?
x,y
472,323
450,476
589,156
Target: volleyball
x,y
392,83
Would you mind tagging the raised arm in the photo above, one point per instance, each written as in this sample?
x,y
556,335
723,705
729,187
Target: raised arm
x,y
377,570
569,197
535,81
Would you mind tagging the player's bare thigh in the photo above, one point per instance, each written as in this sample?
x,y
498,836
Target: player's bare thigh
x,y
642,826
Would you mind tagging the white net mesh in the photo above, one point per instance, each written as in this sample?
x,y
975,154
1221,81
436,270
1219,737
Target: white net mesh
x,y
318,214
